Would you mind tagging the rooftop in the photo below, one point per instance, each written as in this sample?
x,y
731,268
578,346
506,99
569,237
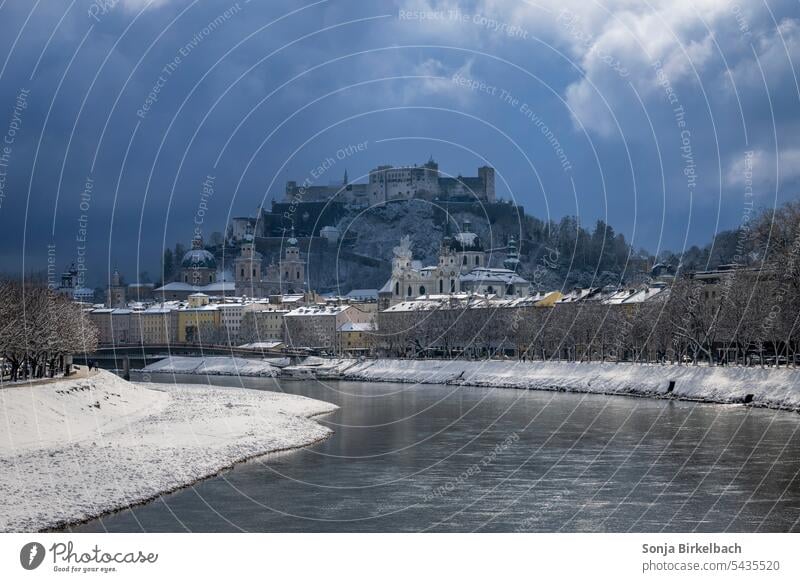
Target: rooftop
x,y
350,326
309,310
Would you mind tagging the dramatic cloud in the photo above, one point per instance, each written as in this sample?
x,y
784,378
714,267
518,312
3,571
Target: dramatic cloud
x,y
600,109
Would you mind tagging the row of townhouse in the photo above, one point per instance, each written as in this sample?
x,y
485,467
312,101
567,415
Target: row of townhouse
x,y
461,321
330,326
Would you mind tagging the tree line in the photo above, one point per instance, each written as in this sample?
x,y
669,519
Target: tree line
x,y
39,329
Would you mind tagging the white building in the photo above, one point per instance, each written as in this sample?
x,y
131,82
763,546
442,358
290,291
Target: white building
x,y
231,320
461,267
316,326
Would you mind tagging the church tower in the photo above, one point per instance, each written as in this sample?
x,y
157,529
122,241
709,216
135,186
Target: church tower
x,y
248,271
512,256
116,291
293,268
468,249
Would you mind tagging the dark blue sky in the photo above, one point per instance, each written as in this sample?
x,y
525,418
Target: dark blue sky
x,y
642,114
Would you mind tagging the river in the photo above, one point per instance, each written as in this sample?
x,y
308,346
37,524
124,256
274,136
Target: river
x,y
455,459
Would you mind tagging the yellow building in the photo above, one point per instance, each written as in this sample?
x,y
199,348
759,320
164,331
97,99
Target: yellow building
x,y
155,326
200,322
356,337
548,299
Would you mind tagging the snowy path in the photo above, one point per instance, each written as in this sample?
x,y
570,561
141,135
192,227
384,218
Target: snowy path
x,y
80,448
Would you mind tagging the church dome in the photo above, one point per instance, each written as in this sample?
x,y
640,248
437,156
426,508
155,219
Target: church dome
x,y
199,259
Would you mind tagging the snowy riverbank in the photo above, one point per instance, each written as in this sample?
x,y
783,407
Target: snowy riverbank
x,y
218,366
76,449
764,387
767,387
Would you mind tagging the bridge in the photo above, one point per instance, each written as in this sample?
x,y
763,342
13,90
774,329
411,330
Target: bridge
x,y
139,356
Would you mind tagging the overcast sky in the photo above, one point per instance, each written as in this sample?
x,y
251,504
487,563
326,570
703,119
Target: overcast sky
x,y
653,115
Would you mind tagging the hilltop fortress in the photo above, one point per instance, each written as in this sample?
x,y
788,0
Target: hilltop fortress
x,y
387,183
345,230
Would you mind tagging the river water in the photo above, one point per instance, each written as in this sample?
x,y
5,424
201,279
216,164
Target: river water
x,y
444,458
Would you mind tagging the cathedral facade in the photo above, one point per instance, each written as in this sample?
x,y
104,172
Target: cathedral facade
x,y
462,267
255,279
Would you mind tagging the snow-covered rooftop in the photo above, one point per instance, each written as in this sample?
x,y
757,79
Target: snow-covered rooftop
x,y
490,275
350,326
363,294
262,345
310,310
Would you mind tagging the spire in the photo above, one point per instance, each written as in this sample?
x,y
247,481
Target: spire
x,y
346,181
512,256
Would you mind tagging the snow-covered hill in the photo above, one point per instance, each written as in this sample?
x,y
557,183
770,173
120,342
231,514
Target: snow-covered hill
x,y
76,449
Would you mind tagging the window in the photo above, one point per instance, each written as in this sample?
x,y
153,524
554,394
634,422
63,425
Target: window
x,y
452,286
464,260
441,286
243,272
397,288
477,260
490,290
298,274
422,290
254,272
409,290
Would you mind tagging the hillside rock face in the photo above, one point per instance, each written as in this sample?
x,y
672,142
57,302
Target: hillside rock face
x,y
552,255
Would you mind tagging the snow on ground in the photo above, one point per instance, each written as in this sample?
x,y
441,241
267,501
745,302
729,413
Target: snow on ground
x,y
217,366
770,387
76,449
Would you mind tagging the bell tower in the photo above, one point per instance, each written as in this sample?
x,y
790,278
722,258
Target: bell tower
x,y
248,268
293,268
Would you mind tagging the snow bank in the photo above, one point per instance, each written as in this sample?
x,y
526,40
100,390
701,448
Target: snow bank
x,y
773,388
217,366
768,387
72,450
